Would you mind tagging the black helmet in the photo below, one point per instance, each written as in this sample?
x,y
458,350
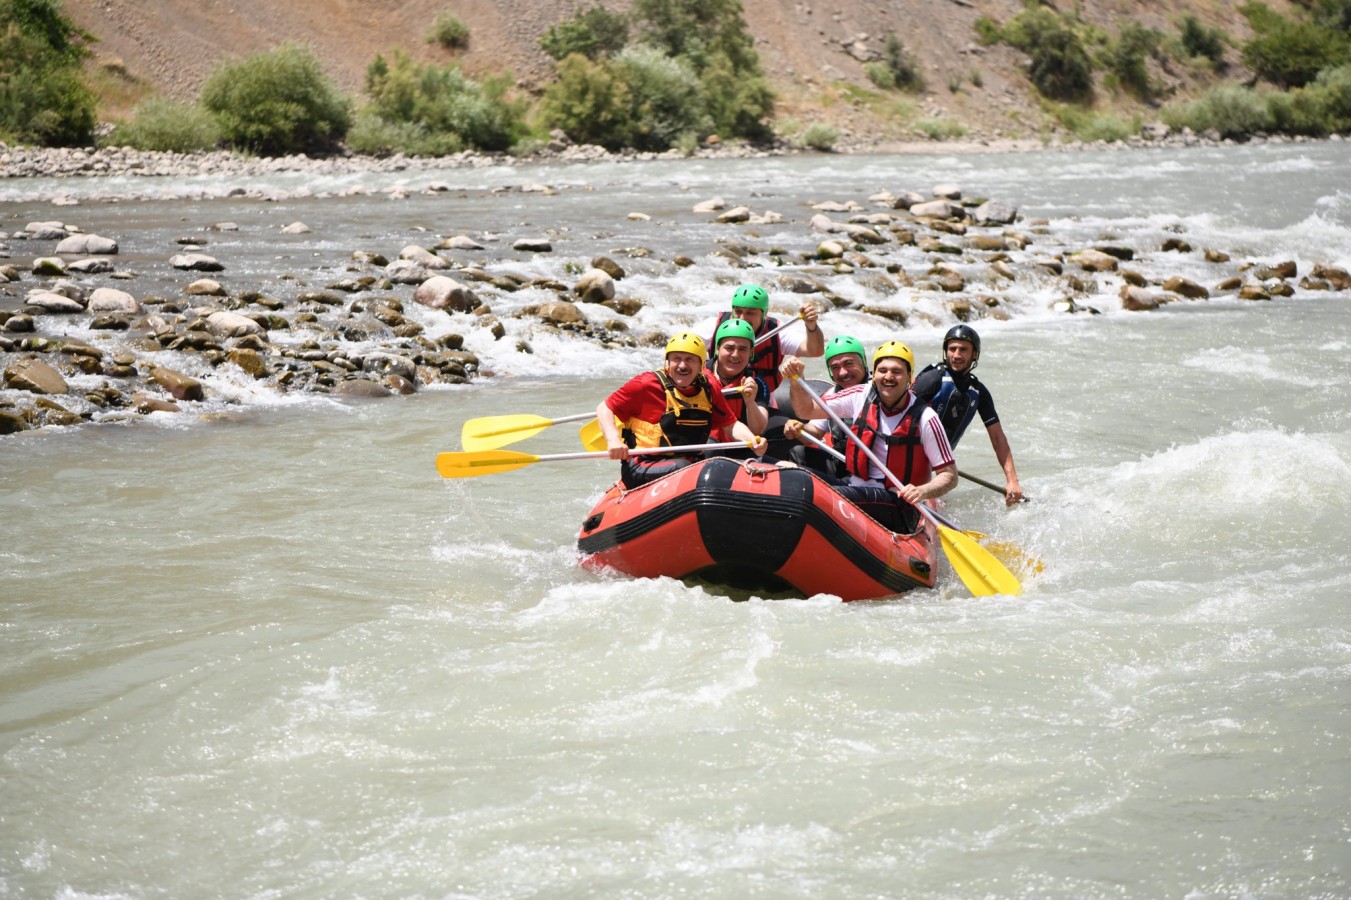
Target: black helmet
x,y
963,333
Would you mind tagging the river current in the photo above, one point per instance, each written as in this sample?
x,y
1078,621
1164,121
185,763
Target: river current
x,y
265,651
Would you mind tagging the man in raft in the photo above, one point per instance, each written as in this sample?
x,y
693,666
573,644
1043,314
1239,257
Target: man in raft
x,y
673,406
904,433
750,303
847,362
729,368
954,392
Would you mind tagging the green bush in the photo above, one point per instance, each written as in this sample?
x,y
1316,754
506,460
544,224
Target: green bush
x,y
937,128
1199,41
437,108
880,75
595,33
1323,107
277,102
818,136
163,124
448,32
1289,53
43,98
1087,125
738,103
902,63
641,99
1060,68
1229,109
1128,55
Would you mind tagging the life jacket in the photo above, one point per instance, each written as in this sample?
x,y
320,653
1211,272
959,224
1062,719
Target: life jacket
x,y
766,357
687,420
905,456
956,407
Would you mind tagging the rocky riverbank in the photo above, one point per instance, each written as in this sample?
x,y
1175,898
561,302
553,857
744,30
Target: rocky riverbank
x,y
79,343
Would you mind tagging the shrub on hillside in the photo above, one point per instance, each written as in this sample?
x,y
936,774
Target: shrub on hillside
x,y
1229,109
439,106
1289,53
42,97
641,99
277,102
818,136
902,65
448,32
1323,107
1060,68
1199,41
595,33
162,124
1128,55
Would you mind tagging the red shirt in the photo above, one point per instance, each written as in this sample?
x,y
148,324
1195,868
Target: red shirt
x,y
643,398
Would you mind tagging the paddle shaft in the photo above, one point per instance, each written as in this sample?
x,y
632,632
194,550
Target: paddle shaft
x,y
558,421
776,329
990,484
644,451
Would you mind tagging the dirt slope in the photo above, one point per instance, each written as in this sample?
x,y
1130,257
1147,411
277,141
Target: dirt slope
x,y
808,47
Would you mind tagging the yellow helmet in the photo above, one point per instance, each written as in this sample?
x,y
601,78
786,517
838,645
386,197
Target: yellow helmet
x,y
895,350
686,342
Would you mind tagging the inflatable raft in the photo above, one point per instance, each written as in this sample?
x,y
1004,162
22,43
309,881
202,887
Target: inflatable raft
x,y
758,527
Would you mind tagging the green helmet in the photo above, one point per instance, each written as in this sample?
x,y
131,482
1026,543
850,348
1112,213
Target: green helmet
x,y
751,296
733,328
845,344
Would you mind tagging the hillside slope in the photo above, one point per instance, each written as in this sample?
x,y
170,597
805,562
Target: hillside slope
x,y
809,48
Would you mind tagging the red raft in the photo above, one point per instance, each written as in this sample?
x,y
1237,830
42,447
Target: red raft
x,y
755,527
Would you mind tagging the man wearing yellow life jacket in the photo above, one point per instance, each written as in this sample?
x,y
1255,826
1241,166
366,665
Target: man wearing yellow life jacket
x,y
672,406
905,434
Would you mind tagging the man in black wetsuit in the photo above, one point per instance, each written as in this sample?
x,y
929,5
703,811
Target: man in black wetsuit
x,y
954,392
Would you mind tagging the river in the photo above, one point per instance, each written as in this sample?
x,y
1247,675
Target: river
x,y
264,651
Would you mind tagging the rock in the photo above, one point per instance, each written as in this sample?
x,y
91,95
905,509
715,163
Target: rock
x,y
829,250
992,212
49,266
734,215
87,245
533,245
361,387
937,209
390,363
862,234
146,404
1216,256
1094,261
444,292
205,287
560,312
595,286
711,205
53,303
196,262
1176,245
608,266
987,242
1125,254
459,242
1335,276
251,361
178,385
229,324
947,192
1286,269
1137,298
91,266
35,376
295,228
19,322
423,257
1253,292
111,300
11,422
1186,288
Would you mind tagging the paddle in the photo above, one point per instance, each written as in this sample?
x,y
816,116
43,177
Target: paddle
x,y
978,569
1008,553
991,485
490,462
777,328
491,432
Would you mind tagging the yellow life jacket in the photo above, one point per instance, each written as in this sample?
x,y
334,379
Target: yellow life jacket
x,y
687,420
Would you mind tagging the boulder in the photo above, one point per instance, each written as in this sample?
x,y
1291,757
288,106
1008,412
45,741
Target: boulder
x,y
87,245
937,209
444,292
734,215
49,266
361,387
1137,298
1286,269
178,385
595,286
230,324
608,266
992,212
251,361
423,257
90,266
46,231
53,303
560,312
295,228
711,205
196,262
1186,288
459,242
111,300
35,376
1093,260
533,245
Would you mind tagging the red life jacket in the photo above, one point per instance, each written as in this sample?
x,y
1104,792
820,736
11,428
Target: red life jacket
x,y
905,456
766,357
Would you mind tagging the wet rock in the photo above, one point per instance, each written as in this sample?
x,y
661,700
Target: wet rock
x,y
1253,292
369,258
533,245
937,209
1286,269
1092,260
1186,288
947,192
11,422
19,322
423,257
559,312
49,266
53,303
146,404
360,387
625,306
35,376
595,286
987,242
829,250
111,300
1335,276
1137,298
390,363
1125,254
87,245
444,292
734,215
992,212
296,228
608,266
176,384
1216,256
459,242
713,204
205,287
229,324
196,262
1176,245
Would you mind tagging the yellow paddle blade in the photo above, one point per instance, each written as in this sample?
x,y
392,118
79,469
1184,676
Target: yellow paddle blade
x,y
1016,558
481,462
592,438
491,432
978,569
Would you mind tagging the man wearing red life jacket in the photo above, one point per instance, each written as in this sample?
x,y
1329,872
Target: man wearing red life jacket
x,y
729,368
847,362
750,303
905,434
670,407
